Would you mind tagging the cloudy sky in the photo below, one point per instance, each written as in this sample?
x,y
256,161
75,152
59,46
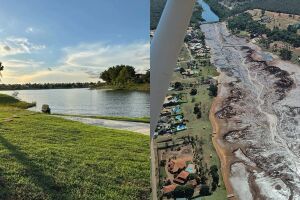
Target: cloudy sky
x,y
71,41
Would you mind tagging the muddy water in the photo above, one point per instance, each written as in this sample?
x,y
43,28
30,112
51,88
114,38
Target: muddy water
x,y
259,113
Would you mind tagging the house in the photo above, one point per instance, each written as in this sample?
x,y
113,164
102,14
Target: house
x,y
175,166
191,169
182,178
169,188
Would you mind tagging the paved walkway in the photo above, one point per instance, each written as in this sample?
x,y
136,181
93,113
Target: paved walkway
x,y
138,127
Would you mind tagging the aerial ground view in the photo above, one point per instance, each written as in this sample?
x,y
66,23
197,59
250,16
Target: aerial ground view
x,y
74,100
229,127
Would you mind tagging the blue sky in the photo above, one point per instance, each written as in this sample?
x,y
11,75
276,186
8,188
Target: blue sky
x,y
71,40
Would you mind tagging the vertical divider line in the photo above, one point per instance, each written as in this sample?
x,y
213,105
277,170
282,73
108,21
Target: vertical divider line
x,y
165,48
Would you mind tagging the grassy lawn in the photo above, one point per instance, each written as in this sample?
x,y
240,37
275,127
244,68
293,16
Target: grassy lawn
x,y
117,118
44,157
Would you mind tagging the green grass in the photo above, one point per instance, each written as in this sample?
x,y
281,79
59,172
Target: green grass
x,y
11,101
116,118
45,157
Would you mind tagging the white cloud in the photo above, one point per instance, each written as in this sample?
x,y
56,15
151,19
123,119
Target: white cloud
x,y
29,30
18,45
100,56
45,77
79,64
22,63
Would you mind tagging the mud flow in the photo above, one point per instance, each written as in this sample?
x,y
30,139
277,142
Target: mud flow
x,y
259,113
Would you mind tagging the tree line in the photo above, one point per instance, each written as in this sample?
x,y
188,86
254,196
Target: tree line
x,y
45,86
284,6
244,22
122,75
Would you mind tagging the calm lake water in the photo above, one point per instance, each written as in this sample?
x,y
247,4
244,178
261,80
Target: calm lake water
x,y
89,102
208,15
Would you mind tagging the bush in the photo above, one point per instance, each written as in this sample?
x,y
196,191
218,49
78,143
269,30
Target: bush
x,y
193,92
285,54
204,191
213,90
184,191
214,174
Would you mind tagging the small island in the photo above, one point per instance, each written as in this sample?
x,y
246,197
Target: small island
x,y
123,77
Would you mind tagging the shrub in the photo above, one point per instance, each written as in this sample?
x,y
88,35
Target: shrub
x,y
285,54
185,191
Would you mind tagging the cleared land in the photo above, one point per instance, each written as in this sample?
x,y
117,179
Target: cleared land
x,y
45,157
275,19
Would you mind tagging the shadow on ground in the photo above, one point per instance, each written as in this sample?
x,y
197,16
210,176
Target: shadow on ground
x,y
36,174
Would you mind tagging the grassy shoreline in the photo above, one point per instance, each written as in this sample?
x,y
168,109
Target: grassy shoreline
x,y
116,118
135,87
6,100
45,157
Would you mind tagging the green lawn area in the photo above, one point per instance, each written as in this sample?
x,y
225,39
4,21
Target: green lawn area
x,y
44,157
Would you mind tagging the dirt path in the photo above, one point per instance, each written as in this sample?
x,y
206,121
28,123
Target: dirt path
x,y
223,152
137,127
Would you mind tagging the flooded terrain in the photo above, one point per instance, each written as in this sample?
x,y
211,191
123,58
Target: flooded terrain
x,y
257,113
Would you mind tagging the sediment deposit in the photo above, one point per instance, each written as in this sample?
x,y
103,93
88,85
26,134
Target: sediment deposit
x,y
258,112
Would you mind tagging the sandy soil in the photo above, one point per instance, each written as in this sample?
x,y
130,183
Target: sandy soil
x,y
138,127
223,151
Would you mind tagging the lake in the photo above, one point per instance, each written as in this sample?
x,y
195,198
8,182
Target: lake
x,y
208,15
88,102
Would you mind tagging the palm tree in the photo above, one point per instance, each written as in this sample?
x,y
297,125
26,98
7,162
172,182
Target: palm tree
x,y
1,69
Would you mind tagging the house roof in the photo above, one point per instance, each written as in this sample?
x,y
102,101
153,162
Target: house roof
x,y
183,175
175,165
169,188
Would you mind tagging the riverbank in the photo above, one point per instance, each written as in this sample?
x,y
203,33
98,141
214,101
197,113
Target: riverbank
x,y
224,154
46,157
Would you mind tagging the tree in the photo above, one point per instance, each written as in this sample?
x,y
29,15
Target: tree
x,y
204,191
120,75
183,191
286,54
1,69
213,90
